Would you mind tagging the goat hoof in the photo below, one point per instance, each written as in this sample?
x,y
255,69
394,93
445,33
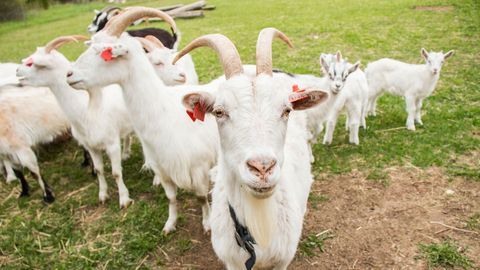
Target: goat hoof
x,y
126,203
24,194
49,198
166,230
103,198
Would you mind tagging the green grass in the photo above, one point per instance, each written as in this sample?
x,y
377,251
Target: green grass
x,y
314,243
77,233
446,254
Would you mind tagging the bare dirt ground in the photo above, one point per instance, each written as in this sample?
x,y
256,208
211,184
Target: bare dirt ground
x,y
375,226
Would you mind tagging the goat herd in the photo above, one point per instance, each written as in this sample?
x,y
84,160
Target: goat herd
x,y
252,138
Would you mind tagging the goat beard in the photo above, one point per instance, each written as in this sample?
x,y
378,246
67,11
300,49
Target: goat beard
x,y
260,218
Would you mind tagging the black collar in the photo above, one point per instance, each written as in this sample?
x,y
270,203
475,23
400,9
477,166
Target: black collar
x,y
244,239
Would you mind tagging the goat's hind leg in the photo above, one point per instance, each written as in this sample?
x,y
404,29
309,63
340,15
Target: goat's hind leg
x,y
25,188
29,160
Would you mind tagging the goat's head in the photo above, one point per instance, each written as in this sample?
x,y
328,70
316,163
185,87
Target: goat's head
x,y
161,59
337,70
46,63
435,60
106,60
251,113
101,18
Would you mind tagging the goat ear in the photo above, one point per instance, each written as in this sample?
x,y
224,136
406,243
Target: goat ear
x,y
323,63
307,99
198,104
96,11
354,67
424,53
448,54
110,52
338,56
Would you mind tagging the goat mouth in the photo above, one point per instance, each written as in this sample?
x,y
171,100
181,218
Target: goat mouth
x,y
75,82
181,81
261,192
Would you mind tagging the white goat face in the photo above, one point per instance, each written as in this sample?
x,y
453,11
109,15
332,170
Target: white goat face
x,y
337,71
161,59
252,117
39,68
103,63
435,60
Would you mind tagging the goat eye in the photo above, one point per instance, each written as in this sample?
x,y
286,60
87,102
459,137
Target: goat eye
x,y
219,113
286,113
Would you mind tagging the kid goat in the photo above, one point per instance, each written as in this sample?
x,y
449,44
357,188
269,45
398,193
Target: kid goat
x,y
413,82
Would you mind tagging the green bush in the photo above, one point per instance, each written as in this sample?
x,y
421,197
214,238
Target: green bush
x,y
11,10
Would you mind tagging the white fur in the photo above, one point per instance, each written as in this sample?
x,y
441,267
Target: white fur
x,y
99,118
413,82
28,117
183,72
7,73
179,151
254,106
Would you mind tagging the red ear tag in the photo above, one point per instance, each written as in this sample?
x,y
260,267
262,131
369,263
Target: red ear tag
x,y
296,89
199,112
29,62
294,98
191,116
107,54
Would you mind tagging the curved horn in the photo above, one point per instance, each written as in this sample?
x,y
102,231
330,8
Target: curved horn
x,y
264,49
59,41
155,41
123,20
146,44
227,52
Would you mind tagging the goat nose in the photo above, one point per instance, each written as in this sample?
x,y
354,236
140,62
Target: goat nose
x,y
69,74
183,75
261,167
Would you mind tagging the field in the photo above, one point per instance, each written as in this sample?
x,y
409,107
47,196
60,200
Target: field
x,y
399,200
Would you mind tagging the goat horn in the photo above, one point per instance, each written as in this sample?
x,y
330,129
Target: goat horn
x,y
264,49
155,41
147,45
59,41
225,49
123,20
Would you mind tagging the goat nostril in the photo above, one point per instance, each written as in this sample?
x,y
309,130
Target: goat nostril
x,y
69,74
261,167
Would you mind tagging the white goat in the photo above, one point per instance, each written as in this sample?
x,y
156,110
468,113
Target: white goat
x,y
263,175
349,89
28,117
183,72
98,122
413,82
179,151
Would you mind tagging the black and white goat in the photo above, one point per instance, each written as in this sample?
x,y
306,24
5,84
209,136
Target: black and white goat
x,y
103,16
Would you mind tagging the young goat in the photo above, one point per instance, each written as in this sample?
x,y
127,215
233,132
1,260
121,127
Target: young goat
x,y
413,82
183,72
179,151
349,90
99,119
263,175
28,117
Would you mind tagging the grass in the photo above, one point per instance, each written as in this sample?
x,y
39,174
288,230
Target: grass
x,y
78,233
446,254
314,243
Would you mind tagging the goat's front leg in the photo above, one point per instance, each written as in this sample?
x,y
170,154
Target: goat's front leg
x,y
331,122
127,147
354,114
97,160
411,109
418,113
171,192
115,155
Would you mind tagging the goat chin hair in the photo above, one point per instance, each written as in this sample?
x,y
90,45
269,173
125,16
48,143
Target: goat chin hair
x,y
260,218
